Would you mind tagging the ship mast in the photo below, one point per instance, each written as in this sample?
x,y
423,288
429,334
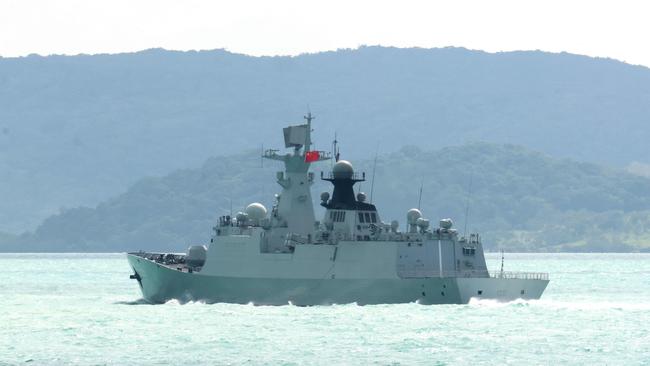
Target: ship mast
x,y
294,207
309,118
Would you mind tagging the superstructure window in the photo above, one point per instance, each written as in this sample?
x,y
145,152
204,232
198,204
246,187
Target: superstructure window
x,y
337,216
469,251
373,217
361,217
367,216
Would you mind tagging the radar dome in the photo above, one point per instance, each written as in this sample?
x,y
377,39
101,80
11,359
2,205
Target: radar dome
x,y
256,211
394,225
325,196
342,169
413,215
241,217
422,223
446,224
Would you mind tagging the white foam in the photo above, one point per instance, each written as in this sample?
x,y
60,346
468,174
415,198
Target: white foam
x,y
569,305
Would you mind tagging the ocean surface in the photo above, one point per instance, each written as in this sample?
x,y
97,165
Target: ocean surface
x,y
82,309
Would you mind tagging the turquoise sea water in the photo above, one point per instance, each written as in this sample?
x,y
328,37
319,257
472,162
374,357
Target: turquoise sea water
x,y
59,309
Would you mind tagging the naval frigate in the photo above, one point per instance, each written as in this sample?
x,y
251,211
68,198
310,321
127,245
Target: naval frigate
x,y
349,256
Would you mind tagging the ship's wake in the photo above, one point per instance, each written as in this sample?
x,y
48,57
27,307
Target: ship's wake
x,y
133,302
563,305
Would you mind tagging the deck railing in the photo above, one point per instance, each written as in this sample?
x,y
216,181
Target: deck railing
x,y
473,274
521,275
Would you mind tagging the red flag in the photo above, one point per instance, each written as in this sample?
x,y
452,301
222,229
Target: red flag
x,y
311,156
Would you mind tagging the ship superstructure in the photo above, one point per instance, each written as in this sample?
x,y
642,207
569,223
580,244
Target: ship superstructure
x,y
350,255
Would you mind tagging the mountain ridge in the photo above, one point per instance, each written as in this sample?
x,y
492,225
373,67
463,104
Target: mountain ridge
x,y
520,200
90,126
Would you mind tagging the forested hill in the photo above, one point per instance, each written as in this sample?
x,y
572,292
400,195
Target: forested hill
x,y
519,199
75,130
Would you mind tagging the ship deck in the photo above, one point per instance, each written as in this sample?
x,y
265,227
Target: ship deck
x,y
170,260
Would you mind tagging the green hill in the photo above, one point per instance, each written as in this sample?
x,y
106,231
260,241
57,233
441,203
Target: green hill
x,y
75,130
518,199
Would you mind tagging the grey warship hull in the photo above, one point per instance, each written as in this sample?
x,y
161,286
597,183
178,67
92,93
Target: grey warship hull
x,y
160,283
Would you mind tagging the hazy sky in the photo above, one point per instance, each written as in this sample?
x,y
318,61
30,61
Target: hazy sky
x,y
618,29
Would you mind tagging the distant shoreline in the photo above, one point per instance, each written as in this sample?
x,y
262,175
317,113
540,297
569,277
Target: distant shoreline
x,y
487,252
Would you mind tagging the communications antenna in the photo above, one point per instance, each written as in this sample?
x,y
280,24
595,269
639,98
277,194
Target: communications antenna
x,y
501,263
469,197
335,149
420,195
372,181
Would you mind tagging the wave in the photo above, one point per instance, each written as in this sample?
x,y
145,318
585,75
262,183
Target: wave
x,y
567,305
133,302
474,302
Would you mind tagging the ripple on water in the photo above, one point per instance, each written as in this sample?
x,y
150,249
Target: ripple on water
x,y
78,314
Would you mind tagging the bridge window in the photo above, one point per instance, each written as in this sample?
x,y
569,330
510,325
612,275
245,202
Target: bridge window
x,y
361,217
367,216
469,251
373,216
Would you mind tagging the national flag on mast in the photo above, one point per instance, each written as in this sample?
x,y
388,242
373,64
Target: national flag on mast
x,y
311,156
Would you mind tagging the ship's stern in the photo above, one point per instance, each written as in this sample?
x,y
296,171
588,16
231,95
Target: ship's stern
x,y
500,289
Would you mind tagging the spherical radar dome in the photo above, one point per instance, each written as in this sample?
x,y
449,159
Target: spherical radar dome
x,y
256,211
413,215
325,196
342,169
